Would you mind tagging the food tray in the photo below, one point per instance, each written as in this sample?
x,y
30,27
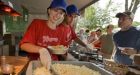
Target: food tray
x,y
87,64
78,63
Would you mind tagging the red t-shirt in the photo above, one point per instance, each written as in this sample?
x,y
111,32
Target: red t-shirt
x,y
68,34
98,45
40,34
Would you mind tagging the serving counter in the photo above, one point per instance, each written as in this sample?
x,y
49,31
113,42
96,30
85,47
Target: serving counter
x,y
19,63
34,64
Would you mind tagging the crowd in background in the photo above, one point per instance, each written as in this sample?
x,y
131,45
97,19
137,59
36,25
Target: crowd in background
x,y
102,41
119,46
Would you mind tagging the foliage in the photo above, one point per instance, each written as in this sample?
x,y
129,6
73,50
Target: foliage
x,y
16,24
135,23
134,5
96,16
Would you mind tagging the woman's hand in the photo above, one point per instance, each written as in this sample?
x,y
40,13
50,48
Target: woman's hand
x,y
45,57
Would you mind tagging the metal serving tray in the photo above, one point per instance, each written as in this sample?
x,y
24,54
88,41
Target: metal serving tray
x,y
87,64
78,63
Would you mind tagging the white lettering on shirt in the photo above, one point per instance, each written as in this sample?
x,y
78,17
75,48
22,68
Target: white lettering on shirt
x,y
49,39
46,40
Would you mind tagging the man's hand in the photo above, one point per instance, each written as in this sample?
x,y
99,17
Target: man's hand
x,y
88,49
129,51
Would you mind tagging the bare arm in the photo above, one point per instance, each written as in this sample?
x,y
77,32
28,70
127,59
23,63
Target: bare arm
x,y
77,40
90,39
31,48
96,41
113,52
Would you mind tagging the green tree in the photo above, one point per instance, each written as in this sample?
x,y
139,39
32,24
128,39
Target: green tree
x,y
136,23
97,17
134,5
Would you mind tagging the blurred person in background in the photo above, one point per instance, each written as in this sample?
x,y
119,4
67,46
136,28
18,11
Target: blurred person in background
x,y
127,40
86,35
81,34
98,44
98,32
43,33
107,44
92,37
87,32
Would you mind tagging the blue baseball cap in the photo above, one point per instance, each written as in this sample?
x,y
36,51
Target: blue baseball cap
x,y
72,9
58,4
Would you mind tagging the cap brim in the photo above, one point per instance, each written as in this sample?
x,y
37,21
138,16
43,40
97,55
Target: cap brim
x,y
58,8
78,13
62,8
118,15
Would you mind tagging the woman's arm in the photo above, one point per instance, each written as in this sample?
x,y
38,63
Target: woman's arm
x,y
31,48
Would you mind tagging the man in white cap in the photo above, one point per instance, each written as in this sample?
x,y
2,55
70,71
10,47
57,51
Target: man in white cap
x,y
127,40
